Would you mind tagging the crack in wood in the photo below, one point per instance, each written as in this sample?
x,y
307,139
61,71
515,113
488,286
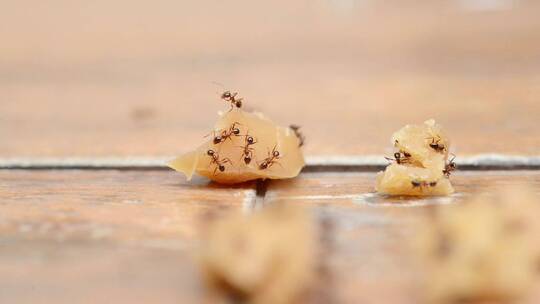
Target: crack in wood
x,y
313,164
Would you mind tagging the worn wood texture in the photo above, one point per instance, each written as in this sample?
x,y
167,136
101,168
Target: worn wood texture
x,y
114,205
104,236
100,80
89,236
373,258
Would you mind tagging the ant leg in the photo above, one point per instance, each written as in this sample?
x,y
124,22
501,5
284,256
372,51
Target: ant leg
x,y
227,161
213,133
390,159
232,107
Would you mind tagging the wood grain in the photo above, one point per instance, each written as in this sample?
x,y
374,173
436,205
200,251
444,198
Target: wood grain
x,y
86,236
110,205
97,80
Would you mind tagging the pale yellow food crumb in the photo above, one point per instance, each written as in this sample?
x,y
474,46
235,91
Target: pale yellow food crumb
x,y
265,258
267,136
422,171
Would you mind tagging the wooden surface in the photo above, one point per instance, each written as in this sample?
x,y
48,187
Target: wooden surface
x,y
122,78
88,236
100,80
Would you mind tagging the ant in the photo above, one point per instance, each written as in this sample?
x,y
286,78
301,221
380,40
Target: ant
x,y
451,166
301,137
226,134
248,151
270,160
399,159
231,97
435,145
219,162
420,184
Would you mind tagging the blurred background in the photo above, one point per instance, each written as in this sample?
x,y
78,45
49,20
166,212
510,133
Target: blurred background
x,y
121,78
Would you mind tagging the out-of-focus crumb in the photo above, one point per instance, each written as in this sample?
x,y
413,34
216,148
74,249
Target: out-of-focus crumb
x,y
487,249
269,257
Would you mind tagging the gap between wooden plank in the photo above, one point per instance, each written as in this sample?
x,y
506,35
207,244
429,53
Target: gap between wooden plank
x,y
338,163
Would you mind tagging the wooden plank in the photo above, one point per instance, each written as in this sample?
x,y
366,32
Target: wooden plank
x,y
372,260
106,83
110,205
104,236
88,236
79,271
358,189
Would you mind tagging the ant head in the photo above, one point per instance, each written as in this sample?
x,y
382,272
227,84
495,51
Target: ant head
x,y
433,184
226,95
221,168
238,104
275,153
236,131
416,183
250,140
210,152
217,139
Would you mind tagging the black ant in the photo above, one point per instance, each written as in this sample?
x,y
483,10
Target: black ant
x,y
219,162
451,166
301,137
420,184
270,160
399,159
248,151
231,97
435,145
227,134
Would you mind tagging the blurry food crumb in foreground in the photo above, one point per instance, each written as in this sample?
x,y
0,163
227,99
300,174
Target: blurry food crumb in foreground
x,y
420,165
268,257
487,249
244,146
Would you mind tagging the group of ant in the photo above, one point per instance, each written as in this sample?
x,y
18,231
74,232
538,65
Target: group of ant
x,y
403,157
247,149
